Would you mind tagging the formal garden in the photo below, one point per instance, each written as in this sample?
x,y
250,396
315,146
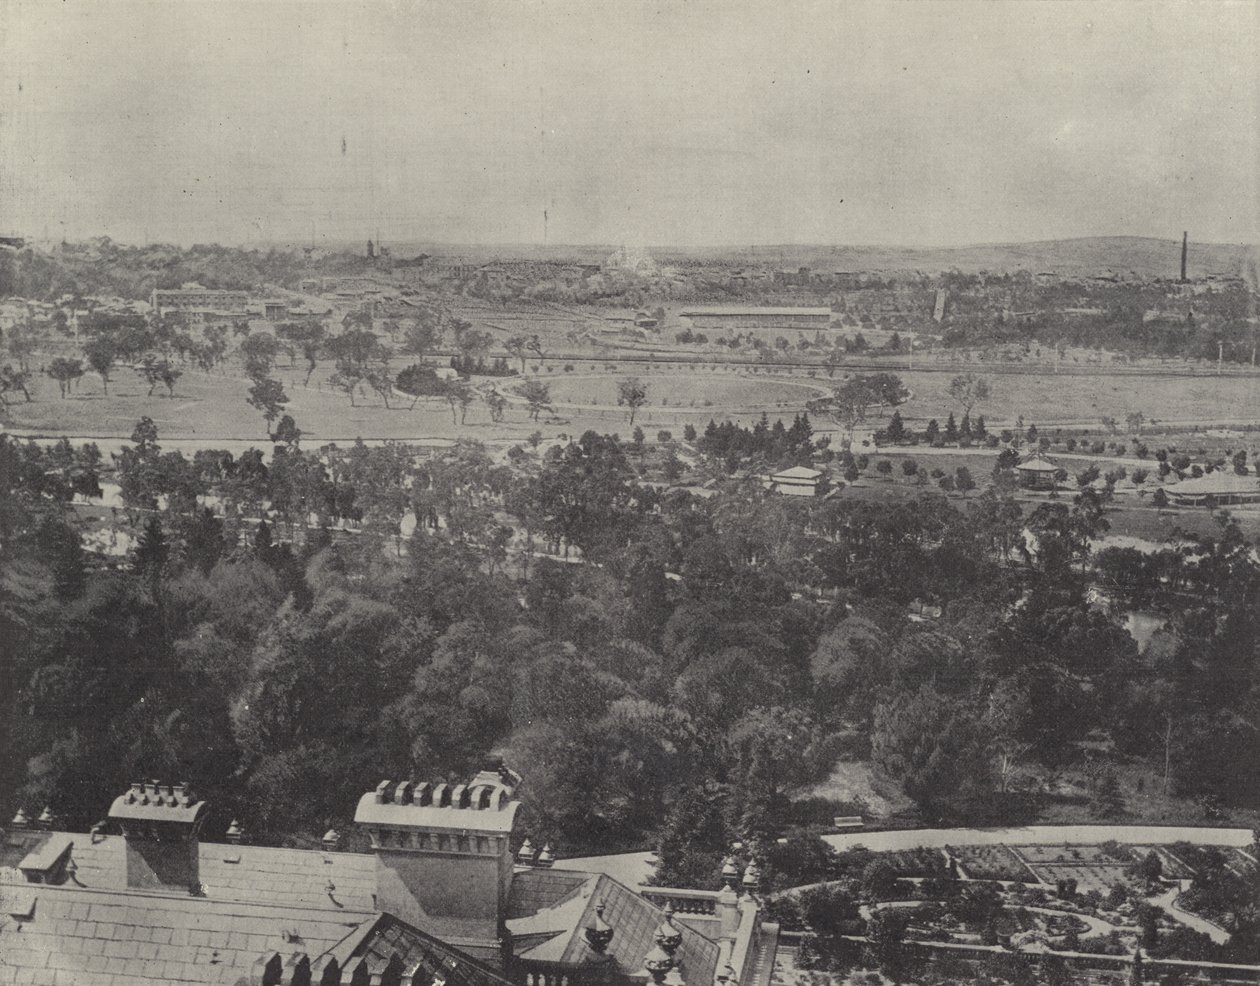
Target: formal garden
x,y
1087,905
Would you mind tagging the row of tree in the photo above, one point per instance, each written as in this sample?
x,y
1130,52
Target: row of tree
x,y
702,665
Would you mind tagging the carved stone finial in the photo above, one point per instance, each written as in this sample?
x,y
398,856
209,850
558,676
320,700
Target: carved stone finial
x,y
657,962
599,933
668,936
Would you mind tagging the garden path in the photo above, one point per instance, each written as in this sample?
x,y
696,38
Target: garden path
x,y
1097,926
1167,902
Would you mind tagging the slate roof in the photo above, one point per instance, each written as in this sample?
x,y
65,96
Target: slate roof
x,y
82,937
535,889
556,933
386,936
91,930
259,874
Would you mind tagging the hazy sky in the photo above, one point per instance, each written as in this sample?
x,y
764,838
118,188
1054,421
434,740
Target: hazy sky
x,y
670,122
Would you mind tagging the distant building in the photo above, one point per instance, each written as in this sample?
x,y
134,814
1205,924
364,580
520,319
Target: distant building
x,y
1037,472
719,317
799,481
454,266
210,316
938,309
1218,487
192,296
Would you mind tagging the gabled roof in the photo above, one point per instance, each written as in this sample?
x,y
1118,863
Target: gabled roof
x,y
798,472
557,933
378,940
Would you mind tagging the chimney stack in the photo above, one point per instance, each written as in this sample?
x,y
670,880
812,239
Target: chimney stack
x,y
161,824
444,857
1185,244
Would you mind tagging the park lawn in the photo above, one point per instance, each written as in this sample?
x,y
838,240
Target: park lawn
x,y
687,389
212,407
1050,399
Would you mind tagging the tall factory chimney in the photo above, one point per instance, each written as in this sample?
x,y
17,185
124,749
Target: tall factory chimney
x,y
1185,240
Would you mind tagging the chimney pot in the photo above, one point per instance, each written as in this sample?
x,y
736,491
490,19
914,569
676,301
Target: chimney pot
x,y
404,792
545,856
161,836
331,840
20,821
526,853
382,792
235,833
46,818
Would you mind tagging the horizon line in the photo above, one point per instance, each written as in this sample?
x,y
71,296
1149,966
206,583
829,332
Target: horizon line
x,y
302,243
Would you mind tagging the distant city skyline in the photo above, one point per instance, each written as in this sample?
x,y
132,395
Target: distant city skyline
x,y
692,125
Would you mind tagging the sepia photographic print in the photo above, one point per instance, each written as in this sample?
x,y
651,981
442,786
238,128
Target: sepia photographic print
x,y
629,493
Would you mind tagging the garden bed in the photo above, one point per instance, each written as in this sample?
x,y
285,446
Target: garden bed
x,y
915,862
1107,854
993,863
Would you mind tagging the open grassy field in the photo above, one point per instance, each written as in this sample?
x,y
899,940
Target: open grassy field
x,y
687,390
1085,399
213,407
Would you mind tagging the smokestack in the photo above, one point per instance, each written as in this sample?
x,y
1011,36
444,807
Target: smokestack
x,y
1185,240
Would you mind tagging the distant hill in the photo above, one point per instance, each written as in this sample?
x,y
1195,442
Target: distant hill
x,y
1142,255
1146,256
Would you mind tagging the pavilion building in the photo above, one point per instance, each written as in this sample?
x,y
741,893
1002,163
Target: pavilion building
x,y
1220,488
1037,472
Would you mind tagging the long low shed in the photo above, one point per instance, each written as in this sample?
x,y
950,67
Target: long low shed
x,y
731,316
